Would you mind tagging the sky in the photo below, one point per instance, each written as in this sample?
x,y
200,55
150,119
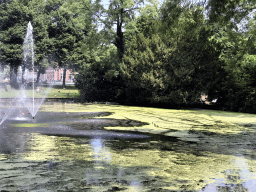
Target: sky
x,y
240,26
106,2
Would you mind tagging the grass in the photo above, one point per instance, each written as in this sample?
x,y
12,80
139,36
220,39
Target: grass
x,y
58,92
54,92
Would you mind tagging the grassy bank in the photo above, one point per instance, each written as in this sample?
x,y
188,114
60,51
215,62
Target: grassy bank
x,y
55,91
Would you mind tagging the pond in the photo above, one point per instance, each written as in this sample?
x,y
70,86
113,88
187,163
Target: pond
x,y
73,152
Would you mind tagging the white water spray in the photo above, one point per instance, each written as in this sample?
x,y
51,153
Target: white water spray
x,y
23,97
28,50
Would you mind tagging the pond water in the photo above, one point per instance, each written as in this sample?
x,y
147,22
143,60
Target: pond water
x,y
75,153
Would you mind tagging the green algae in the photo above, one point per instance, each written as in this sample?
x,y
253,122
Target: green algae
x,y
167,120
57,148
213,145
30,125
168,169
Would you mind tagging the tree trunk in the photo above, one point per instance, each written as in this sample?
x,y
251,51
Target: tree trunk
x,y
64,77
23,72
13,76
119,41
38,75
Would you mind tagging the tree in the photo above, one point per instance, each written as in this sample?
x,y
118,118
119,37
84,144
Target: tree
x,y
223,11
99,81
99,77
171,60
15,16
68,31
42,66
119,14
233,29
13,19
239,55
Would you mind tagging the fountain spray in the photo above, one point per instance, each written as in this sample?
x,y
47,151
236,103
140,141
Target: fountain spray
x,y
28,48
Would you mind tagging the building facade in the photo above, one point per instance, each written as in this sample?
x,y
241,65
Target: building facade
x,y
56,75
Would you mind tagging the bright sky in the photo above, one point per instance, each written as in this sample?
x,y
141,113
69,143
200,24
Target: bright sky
x,y
106,2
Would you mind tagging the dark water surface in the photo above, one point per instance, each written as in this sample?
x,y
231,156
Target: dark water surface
x,y
72,152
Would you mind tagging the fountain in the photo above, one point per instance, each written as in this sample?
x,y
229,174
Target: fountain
x,y
25,98
25,143
28,50
72,151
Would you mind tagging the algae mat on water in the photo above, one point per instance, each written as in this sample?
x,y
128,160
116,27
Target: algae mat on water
x,y
213,151
158,170
185,124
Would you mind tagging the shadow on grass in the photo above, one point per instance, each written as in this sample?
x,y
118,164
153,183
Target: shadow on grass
x,y
67,87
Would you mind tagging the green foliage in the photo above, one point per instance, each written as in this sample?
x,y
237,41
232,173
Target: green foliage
x,y
222,11
14,17
99,77
171,60
68,31
100,81
64,34
118,15
13,23
236,92
141,54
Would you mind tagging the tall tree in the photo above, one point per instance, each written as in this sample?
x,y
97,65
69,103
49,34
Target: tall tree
x,y
118,14
68,30
98,79
13,24
238,53
222,11
15,16
171,60
232,27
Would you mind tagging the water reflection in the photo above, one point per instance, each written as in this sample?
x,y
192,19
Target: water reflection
x,y
248,178
136,186
101,153
102,165
12,142
239,178
101,158
96,164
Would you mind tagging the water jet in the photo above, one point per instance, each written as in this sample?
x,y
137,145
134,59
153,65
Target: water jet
x,y
25,98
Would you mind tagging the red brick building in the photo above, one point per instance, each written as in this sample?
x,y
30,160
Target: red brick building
x,y
56,75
